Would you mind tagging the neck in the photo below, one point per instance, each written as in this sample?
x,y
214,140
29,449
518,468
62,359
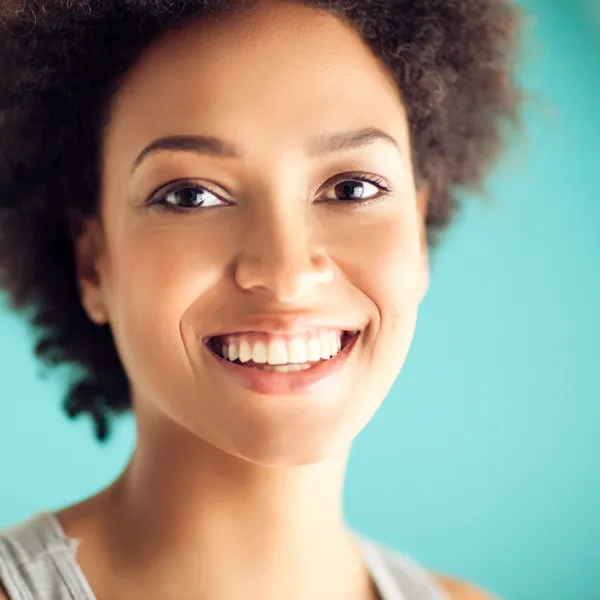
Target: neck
x,y
209,524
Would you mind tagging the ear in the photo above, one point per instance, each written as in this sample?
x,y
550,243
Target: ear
x,y
87,240
422,205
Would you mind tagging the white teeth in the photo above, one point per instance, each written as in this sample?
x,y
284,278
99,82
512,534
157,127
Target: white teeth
x,y
259,353
286,368
333,342
297,351
276,351
325,353
296,368
245,351
314,350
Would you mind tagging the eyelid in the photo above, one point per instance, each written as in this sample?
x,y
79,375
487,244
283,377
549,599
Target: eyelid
x,y
182,184
384,187
375,180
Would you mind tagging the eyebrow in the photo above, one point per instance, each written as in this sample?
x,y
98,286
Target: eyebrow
x,y
212,146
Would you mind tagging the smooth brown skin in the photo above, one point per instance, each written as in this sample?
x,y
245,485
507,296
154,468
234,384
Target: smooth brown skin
x,y
230,493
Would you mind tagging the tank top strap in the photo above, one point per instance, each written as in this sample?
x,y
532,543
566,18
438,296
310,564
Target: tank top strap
x,y
38,562
396,576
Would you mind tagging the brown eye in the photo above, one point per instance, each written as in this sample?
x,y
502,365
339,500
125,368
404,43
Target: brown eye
x,y
189,197
354,190
186,195
357,188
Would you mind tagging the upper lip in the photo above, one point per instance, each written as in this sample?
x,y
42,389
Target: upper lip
x,y
285,325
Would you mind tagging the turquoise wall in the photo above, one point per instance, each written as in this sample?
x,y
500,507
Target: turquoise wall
x,y
485,459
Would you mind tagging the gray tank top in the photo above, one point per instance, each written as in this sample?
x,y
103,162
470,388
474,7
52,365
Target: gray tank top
x,y
38,562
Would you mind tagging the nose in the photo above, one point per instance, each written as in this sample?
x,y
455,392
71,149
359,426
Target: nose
x,y
279,258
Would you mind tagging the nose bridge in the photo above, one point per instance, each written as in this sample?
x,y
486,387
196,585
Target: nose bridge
x,y
282,254
283,234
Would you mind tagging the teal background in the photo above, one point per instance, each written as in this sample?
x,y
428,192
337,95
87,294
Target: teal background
x,y
484,461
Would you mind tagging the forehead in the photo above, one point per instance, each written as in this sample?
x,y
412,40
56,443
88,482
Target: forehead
x,y
265,77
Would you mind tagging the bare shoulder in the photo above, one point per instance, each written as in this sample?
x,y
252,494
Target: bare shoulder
x,y
3,593
461,590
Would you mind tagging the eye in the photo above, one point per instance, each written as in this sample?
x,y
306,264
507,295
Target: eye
x,y
186,195
357,188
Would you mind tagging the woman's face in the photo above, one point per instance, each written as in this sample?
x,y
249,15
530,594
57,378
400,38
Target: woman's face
x,y
234,164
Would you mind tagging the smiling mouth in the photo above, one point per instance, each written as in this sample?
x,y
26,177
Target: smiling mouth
x,y
281,353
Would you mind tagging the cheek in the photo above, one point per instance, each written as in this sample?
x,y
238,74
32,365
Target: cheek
x,y
156,273
386,263
384,260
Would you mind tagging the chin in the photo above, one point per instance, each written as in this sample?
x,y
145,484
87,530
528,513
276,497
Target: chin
x,y
296,457
281,450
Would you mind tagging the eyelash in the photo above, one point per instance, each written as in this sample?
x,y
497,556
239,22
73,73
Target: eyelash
x,y
157,198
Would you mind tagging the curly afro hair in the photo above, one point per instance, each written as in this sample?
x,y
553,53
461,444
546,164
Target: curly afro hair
x,y
63,60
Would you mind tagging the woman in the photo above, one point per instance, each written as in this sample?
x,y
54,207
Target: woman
x,y
220,212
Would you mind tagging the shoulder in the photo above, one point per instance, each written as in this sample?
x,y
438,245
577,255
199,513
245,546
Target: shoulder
x,y
461,590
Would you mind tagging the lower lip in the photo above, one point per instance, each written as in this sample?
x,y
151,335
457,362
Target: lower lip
x,y
300,382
